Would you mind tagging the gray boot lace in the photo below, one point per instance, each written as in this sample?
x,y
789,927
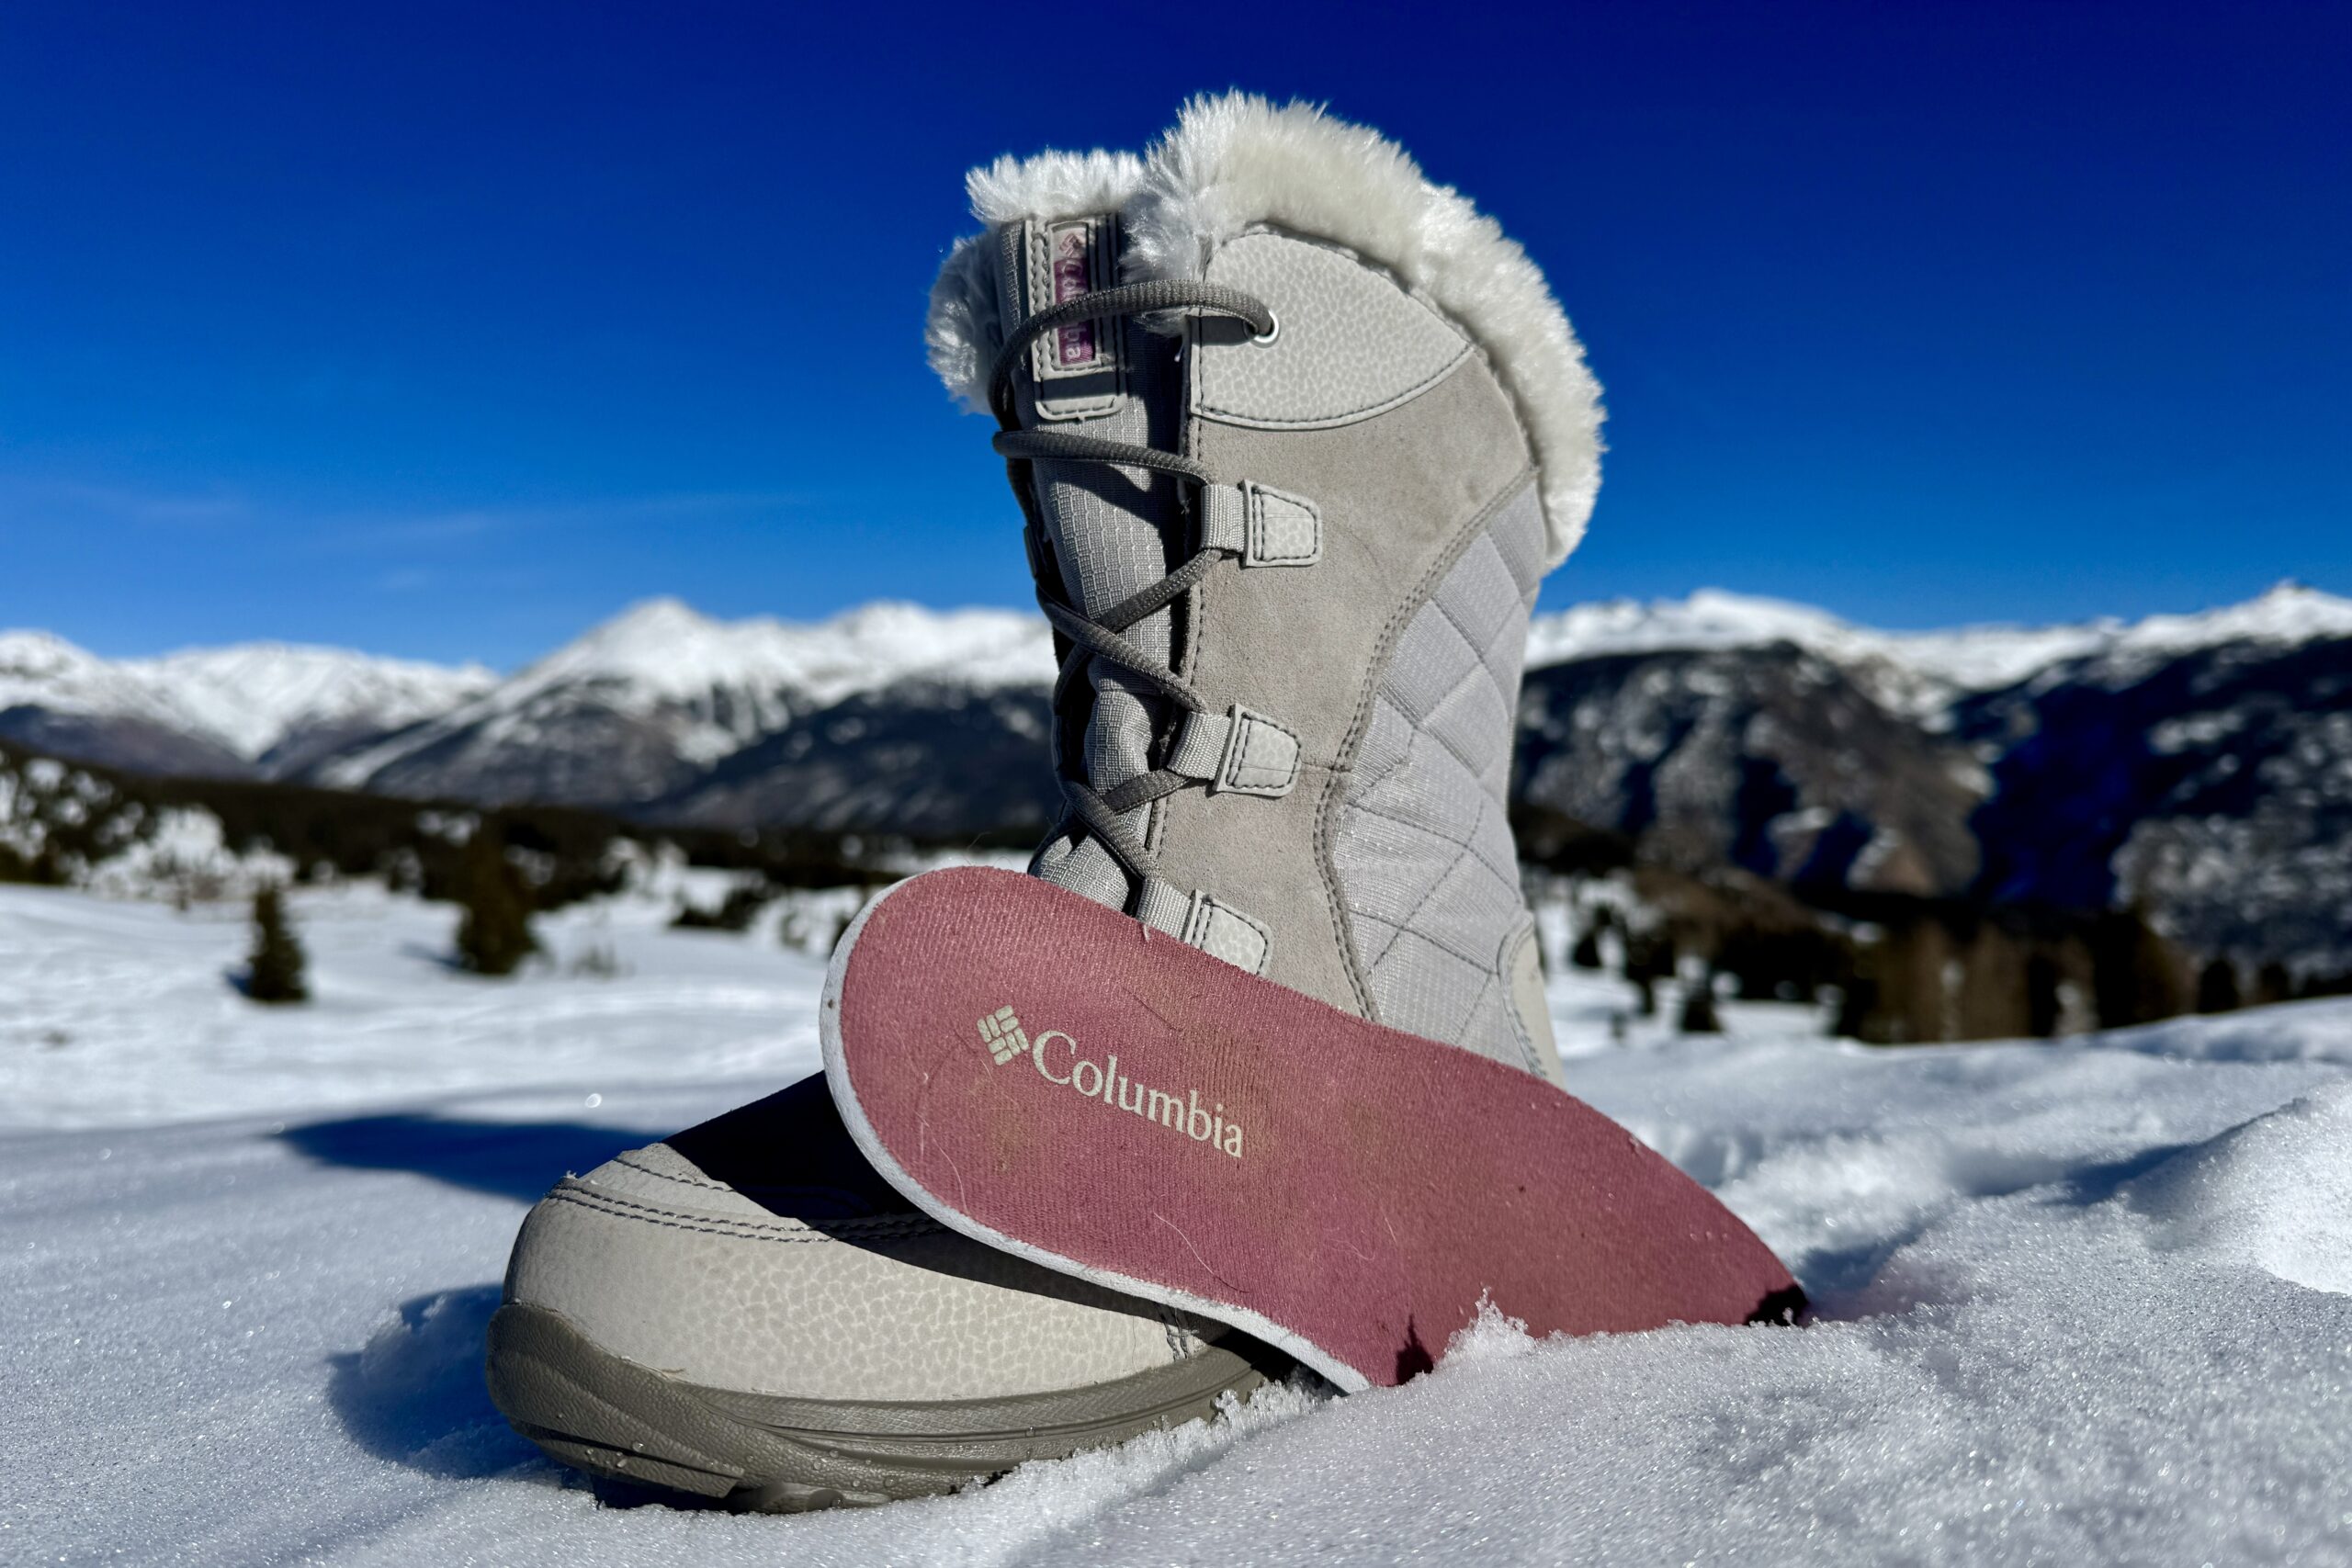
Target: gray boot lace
x,y
1082,640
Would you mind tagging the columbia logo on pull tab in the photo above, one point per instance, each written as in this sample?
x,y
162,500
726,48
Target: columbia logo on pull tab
x,y
1001,1032
1075,343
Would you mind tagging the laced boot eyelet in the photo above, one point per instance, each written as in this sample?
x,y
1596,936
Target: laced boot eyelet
x,y
1273,330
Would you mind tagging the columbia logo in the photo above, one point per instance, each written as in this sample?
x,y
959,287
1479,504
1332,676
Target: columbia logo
x,y
1001,1032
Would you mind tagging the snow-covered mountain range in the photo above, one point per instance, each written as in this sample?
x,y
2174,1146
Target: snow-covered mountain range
x,y
643,707
257,708
2199,766
709,688
660,709
1926,672
2201,763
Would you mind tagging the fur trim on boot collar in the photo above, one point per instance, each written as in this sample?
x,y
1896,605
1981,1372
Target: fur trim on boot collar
x,y
962,329
1235,162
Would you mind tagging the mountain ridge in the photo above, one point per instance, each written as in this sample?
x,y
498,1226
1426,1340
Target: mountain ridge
x,y
2199,765
678,651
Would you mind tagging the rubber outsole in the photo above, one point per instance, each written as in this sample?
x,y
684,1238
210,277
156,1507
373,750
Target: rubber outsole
x,y
656,1436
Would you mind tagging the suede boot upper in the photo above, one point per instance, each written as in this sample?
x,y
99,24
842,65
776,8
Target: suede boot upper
x,y
1389,470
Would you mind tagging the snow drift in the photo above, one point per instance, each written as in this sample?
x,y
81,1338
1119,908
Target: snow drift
x,y
2084,1303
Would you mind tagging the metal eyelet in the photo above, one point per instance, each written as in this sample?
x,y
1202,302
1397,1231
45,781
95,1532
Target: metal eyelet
x,y
1273,330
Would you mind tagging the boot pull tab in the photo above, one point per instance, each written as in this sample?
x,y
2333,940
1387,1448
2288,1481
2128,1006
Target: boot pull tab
x,y
1260,525
1237,751
1210,924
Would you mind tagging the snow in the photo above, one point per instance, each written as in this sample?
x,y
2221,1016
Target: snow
x,y
2077,1303
665,648
663,651
2288,613
39,670
1710,618
120,1014
183,856
1970,658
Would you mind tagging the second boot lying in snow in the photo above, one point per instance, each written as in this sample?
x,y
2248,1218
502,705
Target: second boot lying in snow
x,y
1296,434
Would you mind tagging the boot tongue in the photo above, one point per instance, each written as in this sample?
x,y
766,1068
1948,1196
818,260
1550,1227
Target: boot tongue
x,y
1110,528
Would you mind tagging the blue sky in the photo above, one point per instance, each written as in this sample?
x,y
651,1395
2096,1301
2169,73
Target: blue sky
x,y
445,331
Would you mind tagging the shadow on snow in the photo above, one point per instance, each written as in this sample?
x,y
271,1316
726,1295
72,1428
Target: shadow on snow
x,y
507,1160
415,1394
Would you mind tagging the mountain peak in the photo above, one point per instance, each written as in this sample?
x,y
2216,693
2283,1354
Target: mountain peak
x,y
37,655
648,631
2288,612
665,614
665,648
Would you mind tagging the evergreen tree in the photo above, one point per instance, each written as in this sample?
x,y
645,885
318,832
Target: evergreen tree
x,y
2136,973
1649,958
597,961
1644,995
793,930
1857,1000
274,969
1586,954
735,912
2045,1003
494,933
2217,986
1698,1007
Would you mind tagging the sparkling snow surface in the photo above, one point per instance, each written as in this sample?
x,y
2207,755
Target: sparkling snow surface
x,y
2079,1304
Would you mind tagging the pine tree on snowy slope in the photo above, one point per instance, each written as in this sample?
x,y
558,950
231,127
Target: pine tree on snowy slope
x,y
273,970
494,933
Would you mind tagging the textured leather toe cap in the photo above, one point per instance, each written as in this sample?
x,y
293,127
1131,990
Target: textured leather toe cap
x,y
776,1262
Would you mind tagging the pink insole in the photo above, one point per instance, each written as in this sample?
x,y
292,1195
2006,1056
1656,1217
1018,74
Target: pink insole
x,y
1054,1078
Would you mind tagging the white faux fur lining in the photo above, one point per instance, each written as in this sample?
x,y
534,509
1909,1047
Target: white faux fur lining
x,y
964,327
1237,162
1053,185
